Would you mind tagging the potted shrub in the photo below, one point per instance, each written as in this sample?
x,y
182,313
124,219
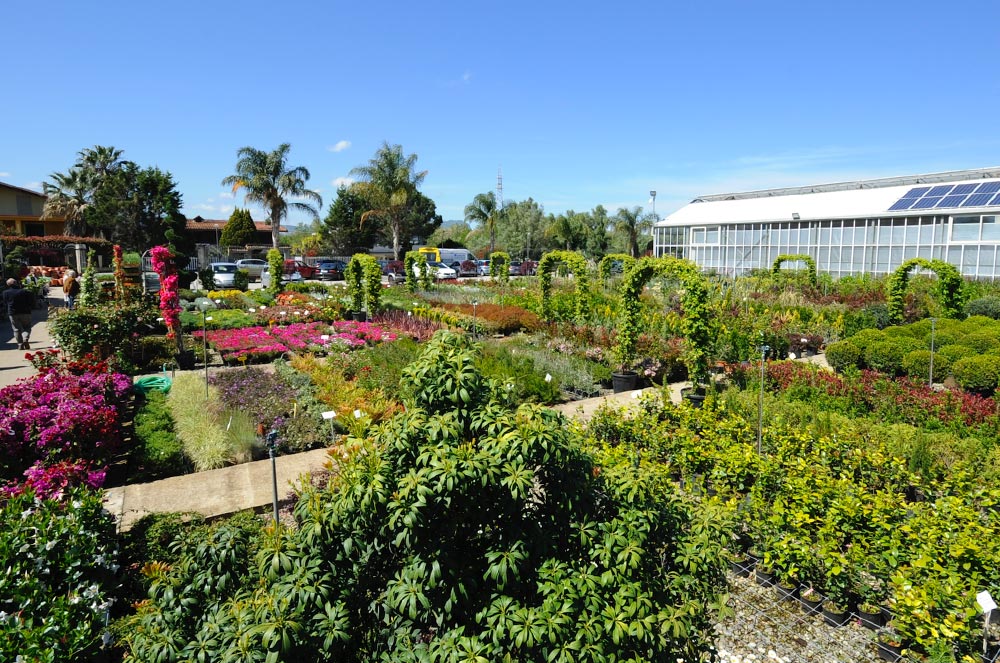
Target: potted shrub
x,y
811,600
889,645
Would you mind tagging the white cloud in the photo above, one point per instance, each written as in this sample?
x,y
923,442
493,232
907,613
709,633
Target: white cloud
x,y
227,194
204,207
4,174
226,209
340,146
467,76
342,181
37,186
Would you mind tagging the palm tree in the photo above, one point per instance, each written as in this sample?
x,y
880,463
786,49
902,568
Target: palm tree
x,y
632,222
485,212
100,160
68,196
267,180
387,183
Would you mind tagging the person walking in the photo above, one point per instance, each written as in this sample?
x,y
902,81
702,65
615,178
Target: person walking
x,y
19,303
71,288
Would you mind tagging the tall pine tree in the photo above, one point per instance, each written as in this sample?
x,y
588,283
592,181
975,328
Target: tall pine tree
x,y
239,230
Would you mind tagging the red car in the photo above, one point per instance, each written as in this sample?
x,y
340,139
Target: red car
x,y
307,271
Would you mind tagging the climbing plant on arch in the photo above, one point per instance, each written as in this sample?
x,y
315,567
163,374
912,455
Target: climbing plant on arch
x,y
604,267
949,287
694,303
363,277
415,258
807,259
578,266
500,266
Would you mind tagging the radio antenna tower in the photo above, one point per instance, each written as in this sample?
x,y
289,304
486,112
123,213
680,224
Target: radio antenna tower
x,y
499,188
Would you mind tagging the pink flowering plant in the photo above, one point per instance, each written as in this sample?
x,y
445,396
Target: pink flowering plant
x,y
70,423
170,303
262,344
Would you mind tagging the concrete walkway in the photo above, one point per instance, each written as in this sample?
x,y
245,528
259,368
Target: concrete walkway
x,y
248,486
13,365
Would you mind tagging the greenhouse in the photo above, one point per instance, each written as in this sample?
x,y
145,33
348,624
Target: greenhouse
x,y
868,226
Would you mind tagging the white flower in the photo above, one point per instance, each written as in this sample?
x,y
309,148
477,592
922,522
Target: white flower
x,y
51,544
77,504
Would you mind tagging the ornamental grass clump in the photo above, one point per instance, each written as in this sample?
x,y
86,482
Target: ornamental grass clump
x,y
204,426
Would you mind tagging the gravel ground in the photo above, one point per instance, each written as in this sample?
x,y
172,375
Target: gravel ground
x,y
766,629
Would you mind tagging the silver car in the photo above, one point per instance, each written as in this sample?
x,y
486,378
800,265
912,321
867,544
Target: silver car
x,y
224,274
252,266
265,278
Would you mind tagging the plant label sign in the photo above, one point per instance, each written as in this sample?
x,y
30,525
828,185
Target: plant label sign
x,y
985,601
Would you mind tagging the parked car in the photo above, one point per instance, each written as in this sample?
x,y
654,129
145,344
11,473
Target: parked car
x,y
395,271
514,269
483,267
307,271
438,270
265,277
252,266
330,270
224,274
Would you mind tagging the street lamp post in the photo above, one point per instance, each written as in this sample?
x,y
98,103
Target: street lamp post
x,y
272,448
652,201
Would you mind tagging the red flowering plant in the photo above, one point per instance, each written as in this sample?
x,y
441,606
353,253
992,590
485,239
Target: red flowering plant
x,y
170,303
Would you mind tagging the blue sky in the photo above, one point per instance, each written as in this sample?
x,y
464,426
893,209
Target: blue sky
x,y
581,103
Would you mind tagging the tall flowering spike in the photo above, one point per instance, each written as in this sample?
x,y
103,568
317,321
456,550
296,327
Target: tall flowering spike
x,y
170,305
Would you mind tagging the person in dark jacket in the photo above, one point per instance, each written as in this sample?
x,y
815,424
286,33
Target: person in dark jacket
x,y
19,303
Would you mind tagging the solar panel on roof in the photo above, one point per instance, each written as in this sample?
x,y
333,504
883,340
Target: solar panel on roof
x,y
963,189
977,200
916,193
951,201
940,190
902,203
996,200
927,202
988,187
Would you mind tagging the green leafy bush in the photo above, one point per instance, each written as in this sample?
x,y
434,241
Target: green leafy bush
x,y
159,453
983,341
887,355
978,374
102,330
843,355
59,566
917,364
516,377
380,366
241,279
988,306
873,316
469,533
953,353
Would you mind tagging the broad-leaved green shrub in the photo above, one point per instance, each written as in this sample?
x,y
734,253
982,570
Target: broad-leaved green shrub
x,y
988,306
461,530
980,374
843,355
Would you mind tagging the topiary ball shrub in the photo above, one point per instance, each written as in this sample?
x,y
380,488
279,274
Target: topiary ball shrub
x,y
984,306
843,355
886,356
977,374
874,316
917,364
983,341
953,352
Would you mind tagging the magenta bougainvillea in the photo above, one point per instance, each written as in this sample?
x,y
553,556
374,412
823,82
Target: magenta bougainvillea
x,y
266,343
59,420
170,302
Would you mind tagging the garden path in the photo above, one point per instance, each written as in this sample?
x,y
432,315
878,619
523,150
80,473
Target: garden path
x,y
13,365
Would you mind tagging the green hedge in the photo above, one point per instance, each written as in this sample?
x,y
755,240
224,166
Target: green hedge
x,y
979,374
843,355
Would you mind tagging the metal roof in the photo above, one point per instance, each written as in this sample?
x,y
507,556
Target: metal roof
x,y
843,200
